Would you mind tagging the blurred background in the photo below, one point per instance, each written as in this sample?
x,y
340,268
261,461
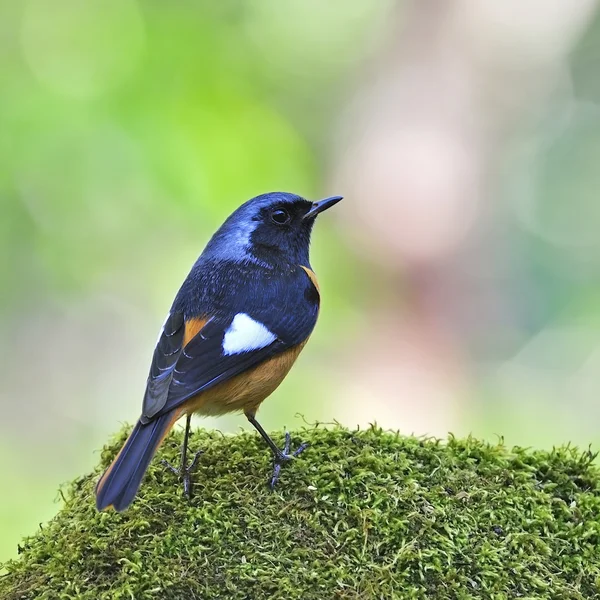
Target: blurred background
x,y
460,276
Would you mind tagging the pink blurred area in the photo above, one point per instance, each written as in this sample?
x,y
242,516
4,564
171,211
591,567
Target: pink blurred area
x,y
424,147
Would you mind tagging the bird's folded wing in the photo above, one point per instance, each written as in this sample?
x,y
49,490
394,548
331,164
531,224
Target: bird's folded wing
x,y
223,348
166,354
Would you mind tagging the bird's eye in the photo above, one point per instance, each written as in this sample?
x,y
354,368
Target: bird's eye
x,y
280,216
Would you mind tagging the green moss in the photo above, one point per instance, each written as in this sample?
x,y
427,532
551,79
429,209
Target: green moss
x,y
362,514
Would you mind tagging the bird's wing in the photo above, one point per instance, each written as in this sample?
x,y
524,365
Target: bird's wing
x,y
169,347
184,364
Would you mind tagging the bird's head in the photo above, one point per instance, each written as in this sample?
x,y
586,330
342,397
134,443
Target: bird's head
x,y
269,229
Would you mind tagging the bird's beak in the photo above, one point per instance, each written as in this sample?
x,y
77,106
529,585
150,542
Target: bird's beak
x,y
321,205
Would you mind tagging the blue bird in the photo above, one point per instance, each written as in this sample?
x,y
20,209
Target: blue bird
x,y
236,327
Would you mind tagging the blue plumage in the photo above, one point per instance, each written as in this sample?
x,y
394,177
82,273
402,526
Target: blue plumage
x,y
253,296
121,482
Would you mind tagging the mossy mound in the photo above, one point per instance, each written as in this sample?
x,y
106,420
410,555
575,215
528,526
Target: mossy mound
x,y
362,514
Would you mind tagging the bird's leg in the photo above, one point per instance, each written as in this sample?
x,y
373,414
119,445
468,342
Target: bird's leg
x,y
279,456
185,470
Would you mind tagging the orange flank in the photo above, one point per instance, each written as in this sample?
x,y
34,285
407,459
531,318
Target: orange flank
x,y
312,276
247,390
192,327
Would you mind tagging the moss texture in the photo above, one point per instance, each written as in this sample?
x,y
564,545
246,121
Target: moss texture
x,y
362,514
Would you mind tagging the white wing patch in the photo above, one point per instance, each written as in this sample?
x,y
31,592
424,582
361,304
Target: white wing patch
x,y
246,334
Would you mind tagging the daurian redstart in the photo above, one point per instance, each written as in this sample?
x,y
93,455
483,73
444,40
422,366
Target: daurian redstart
x,y
238,323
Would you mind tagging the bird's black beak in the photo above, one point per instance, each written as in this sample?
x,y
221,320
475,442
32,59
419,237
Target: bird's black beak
x,y
321,205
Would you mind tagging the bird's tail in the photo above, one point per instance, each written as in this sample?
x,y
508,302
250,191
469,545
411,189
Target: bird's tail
x,y
120,482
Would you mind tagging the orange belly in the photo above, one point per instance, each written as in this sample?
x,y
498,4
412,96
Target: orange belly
x,y
247,390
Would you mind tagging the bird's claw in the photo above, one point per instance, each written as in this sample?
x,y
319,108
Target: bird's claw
x,y
285,456
184,472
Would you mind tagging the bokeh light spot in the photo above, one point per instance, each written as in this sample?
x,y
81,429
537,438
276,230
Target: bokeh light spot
x,y
82,49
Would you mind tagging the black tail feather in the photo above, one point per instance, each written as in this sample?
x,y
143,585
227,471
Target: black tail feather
x,y
121,481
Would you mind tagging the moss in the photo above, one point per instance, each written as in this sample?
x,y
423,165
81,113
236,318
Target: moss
x,y
362,514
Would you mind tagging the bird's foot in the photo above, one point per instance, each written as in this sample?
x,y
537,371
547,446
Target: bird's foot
x,y
184,472
284,456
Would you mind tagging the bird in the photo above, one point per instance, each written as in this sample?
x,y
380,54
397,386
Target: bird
x,y
237,325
